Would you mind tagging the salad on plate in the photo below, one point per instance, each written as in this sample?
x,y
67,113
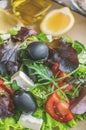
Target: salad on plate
x,y
42,81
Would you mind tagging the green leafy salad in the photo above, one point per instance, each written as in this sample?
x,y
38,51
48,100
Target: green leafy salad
x,y
42,81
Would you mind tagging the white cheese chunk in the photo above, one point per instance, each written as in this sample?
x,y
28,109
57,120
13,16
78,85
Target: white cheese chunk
x,y
28,121
22,80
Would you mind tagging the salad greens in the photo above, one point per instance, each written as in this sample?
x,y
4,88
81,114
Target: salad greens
x,y
42,37
42,90
40,95
50,123
1,41
13,31
10,123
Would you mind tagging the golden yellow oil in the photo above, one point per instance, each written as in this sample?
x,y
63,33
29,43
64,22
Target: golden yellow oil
x,y
58,21
30,10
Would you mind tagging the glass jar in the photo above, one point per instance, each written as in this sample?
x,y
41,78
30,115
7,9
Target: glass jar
x,y
30,10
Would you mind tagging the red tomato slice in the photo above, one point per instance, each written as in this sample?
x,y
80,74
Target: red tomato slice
x,y
62,74
58,110
55,68
61,83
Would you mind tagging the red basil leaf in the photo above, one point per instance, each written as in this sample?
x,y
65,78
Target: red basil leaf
x,y
8,57
23,34
6,106
78,105
66,55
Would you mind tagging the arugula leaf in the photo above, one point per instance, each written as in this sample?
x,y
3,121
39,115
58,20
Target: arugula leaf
x,y
43,75
42,72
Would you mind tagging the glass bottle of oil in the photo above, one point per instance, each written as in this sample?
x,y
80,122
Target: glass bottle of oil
x,y
30,10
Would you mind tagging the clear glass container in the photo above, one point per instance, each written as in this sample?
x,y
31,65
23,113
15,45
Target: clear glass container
x,y
30,10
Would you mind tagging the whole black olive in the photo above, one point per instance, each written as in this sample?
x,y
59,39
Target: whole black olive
x,y
30,72
37,51
24,101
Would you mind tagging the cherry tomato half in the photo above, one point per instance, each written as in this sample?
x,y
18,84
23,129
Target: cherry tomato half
x,y
62,83
57,109
55,68
62,74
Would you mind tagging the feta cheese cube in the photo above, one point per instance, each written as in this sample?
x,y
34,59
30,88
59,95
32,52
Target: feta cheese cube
x,y
22,80
28,121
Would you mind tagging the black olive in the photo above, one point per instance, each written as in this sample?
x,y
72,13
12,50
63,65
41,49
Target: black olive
x,y
24,101
37,51
30,72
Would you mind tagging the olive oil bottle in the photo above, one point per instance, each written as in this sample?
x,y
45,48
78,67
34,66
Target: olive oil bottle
x,y
30,10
